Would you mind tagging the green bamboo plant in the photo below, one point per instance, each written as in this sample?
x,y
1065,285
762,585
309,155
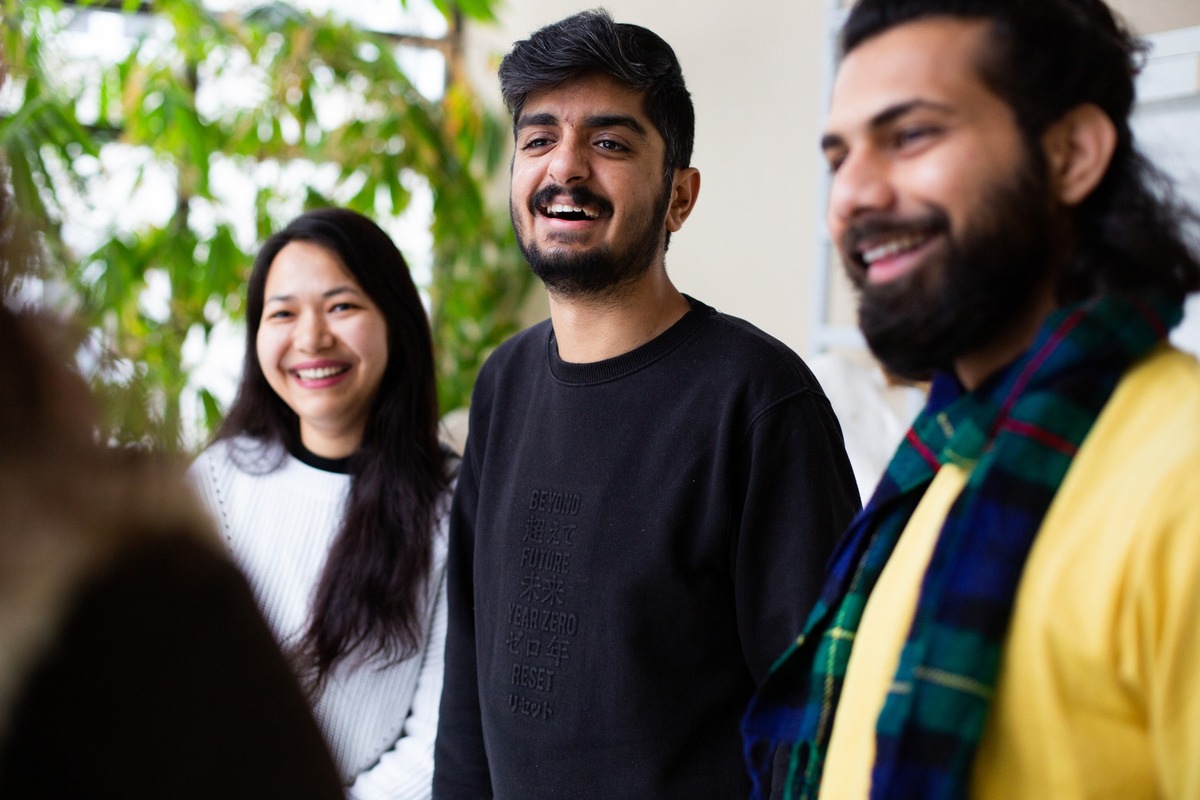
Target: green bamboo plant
x,y
164,100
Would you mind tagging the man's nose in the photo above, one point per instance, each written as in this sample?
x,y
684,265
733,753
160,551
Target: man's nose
x,y
569,162
861,183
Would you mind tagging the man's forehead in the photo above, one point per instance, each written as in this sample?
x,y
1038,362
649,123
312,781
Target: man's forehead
x,y
931,60
589,95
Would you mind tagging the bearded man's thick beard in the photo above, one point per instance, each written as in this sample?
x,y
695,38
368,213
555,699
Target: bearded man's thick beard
x,y
599,272
923,322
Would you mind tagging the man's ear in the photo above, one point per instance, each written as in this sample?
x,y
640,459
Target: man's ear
x,y
684,192
1079,148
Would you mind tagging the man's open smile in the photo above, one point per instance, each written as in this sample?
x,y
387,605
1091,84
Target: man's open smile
x,y
571,205
881,250
570,212
894,247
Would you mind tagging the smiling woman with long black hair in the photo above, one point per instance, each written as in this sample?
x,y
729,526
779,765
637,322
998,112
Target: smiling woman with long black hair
x,y
331,489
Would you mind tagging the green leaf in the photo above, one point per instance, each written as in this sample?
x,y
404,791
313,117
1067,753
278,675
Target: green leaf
x,y
297,67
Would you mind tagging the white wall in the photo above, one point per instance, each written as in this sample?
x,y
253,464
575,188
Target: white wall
x,y
1156,16
753,73
1165,124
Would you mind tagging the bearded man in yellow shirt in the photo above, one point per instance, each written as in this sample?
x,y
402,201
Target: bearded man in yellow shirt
x,y
1016,613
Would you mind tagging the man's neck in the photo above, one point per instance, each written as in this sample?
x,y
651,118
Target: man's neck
x,y
976,367
591,329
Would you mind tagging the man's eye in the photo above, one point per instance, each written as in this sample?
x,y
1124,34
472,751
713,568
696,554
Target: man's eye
x,y
609,144
834,159
907,136
535,143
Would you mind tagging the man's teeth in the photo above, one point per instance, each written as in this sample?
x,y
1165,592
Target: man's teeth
x,y
893,247
319,372
557,209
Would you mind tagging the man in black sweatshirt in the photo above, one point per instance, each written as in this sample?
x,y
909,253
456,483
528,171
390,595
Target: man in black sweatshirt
x,y
650,488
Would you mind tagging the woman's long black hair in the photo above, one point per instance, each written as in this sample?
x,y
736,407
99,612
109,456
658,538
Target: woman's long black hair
x,y
371,592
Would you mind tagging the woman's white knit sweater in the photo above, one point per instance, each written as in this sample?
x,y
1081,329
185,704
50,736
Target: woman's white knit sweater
x,y
379,722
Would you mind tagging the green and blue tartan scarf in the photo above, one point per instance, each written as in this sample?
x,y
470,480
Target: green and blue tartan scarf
x,y
1020,430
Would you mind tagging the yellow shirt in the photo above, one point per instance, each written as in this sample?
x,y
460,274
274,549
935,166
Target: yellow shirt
x,y
1099,689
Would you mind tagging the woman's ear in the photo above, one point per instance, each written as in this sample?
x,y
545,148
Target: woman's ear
x,y
1079,148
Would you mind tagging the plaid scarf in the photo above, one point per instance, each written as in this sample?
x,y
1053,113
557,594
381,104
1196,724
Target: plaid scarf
x,y
1019,431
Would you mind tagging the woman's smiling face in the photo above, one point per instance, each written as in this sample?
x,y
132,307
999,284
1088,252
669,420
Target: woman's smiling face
x,y
322,346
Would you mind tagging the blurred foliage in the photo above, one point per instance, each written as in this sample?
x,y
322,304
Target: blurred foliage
x,y
310,89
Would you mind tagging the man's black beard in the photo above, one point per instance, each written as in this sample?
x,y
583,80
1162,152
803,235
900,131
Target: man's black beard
x,y
970,295
599,271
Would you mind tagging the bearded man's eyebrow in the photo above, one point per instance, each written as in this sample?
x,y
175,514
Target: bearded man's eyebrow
x,y
616,121
542,118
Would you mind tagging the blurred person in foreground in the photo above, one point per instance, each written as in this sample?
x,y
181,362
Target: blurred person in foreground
x,y
133,661
650,487
1015,612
